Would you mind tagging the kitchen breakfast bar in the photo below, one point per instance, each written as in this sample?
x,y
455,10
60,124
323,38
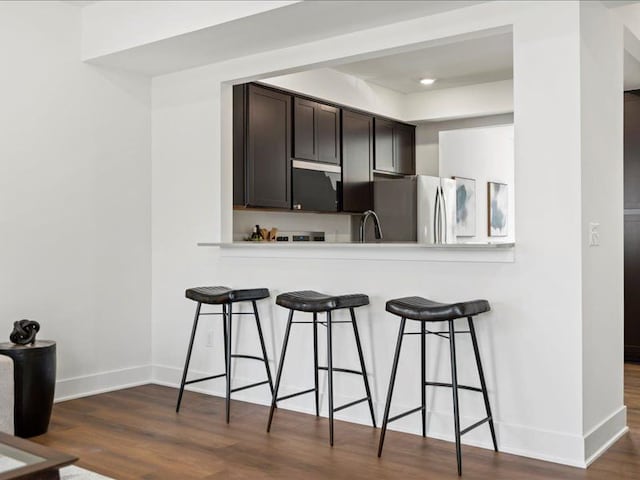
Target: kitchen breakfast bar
x,y
334,353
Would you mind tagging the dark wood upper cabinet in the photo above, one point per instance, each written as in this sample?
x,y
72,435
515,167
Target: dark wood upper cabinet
x,y
405,149
305,119
316,131
632,150
329,135
239,144
272,128
394,147
384,151
357,160
262,147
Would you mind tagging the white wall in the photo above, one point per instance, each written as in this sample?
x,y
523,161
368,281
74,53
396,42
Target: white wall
x,y
535,377
428,138
480,100
344,89
75,199
601,120
486,99
111,26
485,154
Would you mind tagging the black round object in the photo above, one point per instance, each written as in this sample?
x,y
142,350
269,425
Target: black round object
x,y
34,368
24,332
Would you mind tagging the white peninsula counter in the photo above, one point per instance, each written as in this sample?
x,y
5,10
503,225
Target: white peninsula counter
x,y
501,252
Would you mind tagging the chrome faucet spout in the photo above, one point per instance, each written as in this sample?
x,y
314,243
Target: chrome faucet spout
x,y
376,225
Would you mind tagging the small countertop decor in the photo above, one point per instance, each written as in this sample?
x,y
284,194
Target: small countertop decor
x,y
24,332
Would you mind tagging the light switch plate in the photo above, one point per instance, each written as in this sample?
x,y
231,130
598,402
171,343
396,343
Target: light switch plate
x,y
594,234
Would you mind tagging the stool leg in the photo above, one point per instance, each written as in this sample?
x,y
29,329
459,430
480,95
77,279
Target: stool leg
x,y
362,367
188,359
228,352
330,375
487,407
454,389
226,338
262,347
423,370
280,366
392,381
315,362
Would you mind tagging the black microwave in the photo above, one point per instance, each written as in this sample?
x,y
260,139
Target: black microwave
x,y
316,187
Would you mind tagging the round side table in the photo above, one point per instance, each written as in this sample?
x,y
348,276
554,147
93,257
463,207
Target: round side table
x,y
34,368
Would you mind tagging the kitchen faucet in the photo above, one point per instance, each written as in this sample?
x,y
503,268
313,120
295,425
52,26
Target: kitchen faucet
x,y
376,225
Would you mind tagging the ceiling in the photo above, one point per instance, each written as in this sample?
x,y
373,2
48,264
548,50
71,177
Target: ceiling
x,y
466,62
283,27
80,3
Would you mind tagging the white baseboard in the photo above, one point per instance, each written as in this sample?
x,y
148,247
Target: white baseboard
x,y
605,434
519,440
557,447
86,385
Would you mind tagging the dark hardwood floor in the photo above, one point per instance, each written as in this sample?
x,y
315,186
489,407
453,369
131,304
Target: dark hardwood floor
x,y
135,434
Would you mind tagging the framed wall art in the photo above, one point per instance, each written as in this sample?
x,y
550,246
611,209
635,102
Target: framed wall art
x,y
498,207
465,207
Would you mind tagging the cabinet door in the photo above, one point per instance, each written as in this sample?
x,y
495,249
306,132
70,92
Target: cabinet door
x,y
357,156
404,149
305,126
239,144
268,162
328,134
631,226
316,131
384,151
631,286
632,150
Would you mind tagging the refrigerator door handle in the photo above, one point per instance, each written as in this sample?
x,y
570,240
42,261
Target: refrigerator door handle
x,y
436,211
443,205
439,215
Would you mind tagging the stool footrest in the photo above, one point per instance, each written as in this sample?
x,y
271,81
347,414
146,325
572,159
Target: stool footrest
x,y
442,335
249,386
295,394
322,322
463,387
477,424
350,404
204,378
250,357
398,417
343,370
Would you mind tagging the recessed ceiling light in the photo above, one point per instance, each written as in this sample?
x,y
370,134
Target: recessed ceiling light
x,y
427,81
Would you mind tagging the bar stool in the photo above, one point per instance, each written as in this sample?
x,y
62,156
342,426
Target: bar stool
x,y
423,310
226,297
314,302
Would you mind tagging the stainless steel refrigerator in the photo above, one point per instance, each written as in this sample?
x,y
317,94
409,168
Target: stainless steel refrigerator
x,y
419,208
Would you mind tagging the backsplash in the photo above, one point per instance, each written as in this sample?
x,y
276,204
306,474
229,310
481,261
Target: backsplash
x,y
337,228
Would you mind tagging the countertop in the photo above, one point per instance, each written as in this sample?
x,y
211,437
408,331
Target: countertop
x,y
358,245
495,252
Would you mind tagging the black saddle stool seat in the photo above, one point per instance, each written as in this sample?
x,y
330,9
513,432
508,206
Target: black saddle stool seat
x,y
424,310
226,297
315,302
